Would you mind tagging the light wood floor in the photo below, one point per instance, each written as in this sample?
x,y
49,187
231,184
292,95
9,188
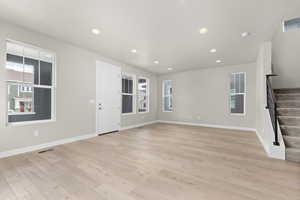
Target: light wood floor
x,y
157,162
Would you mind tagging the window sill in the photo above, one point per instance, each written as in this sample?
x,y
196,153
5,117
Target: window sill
x,y
143,112
165,111
125,114
21,113
16,124
238,114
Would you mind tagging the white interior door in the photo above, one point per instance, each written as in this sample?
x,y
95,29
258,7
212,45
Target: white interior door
x,y
108,103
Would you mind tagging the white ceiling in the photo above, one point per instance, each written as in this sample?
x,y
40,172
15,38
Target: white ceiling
x,y
164,30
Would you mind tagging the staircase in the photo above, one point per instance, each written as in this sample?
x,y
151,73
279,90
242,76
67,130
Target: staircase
x,y
288,102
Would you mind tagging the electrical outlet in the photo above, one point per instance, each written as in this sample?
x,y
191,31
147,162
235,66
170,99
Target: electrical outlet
x,y
36,133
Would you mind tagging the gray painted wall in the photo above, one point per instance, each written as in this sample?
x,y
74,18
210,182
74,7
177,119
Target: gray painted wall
x,y
286,59
202,96
76,84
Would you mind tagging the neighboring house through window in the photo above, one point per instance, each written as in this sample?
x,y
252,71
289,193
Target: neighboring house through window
x,y
237,93
30,83
143,95
167,96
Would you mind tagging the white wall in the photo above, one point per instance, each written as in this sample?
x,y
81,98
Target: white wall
x,y
286,58
202,97
264,127
76,84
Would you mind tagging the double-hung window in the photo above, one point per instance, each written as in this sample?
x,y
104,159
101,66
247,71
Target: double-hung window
x,y
128,93
30,83
143,95
237,93
167,96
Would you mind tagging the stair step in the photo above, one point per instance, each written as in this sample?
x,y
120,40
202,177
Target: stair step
x,y
292,154
287,90
293,142
293,96
289,111
289,120
288,104
291,130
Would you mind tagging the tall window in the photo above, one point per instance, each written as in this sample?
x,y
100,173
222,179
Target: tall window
x,y
237,92
128,93
30,83
143,95
167,96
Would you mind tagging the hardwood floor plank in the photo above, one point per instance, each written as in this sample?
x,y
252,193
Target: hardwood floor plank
x,y
159,161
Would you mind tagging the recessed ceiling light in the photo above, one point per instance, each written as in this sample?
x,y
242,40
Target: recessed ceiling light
x,y
156,62
133,51
96,31
218,61
170,68
245,34
213,51
203,31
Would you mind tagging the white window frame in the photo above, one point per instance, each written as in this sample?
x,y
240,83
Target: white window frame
x,y
147,95
52,87
236,93
163,96
133,76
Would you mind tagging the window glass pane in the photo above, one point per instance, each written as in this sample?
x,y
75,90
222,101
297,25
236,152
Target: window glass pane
x,y
14,68
127,104
232,85
126,82
42,107
143,102
45,73
237,83
167,88
42,103
123,85
20,98
168,103
143,95
130,86
30,67
237,104
242,82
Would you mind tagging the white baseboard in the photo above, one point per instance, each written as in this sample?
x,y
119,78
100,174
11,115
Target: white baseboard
x,y
208,125
84,137
138,125
60,142
45,145
266,147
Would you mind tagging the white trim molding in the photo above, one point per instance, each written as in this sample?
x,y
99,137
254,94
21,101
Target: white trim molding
x,y
138,125
208,125
45,145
